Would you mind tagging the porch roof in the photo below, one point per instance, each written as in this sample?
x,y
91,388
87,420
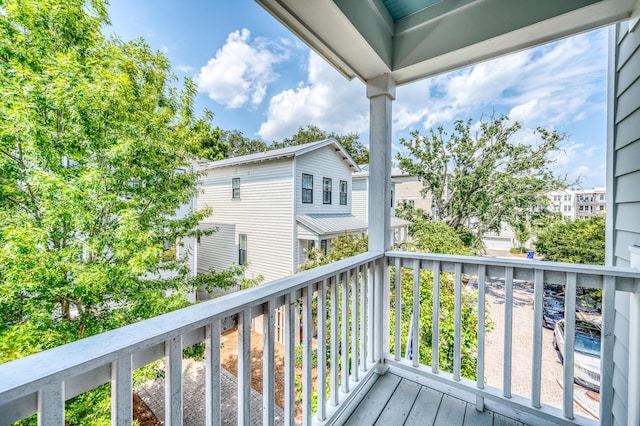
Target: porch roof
x,y
332,224
414,39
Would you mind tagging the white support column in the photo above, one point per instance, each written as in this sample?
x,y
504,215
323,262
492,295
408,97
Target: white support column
x,y
633,403
381,92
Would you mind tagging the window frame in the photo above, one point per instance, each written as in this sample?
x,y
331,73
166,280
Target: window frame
x,y
324,244
242,252
307,190
327,182
235,190
343,194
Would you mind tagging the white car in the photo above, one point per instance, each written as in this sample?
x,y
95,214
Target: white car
x,y
586,358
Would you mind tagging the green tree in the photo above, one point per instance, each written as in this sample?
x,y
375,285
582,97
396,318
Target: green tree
x,y
574,241
239,144
486,178
350,142
96,143
433,237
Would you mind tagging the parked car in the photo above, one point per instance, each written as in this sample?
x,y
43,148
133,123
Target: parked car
x,y
586,358
552,311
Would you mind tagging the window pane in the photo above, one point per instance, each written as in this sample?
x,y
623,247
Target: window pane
x,y
307,188
235,184
326,190
242,252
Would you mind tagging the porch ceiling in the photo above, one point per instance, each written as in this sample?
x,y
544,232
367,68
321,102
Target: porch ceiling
x,y
414,39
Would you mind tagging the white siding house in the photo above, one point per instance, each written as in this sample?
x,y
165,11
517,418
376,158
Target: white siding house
x,y
263,212
399,227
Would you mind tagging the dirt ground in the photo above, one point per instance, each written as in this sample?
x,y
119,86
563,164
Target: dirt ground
x,y
229,361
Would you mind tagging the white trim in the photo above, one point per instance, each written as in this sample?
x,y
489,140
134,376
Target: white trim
x,y
611,151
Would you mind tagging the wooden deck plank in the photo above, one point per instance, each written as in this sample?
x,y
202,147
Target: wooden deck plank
x,y
425,408
397,409
451,411
500,420
474,417
372,405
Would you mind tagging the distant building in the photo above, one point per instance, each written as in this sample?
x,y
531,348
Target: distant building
x,y
579,203
591,203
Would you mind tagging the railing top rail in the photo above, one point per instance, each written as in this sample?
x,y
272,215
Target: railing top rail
x,y
26,375
601,270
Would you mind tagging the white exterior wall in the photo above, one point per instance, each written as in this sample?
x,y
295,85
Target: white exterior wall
x,y
359,196
623,199
407,188
219,250
264,212
320,163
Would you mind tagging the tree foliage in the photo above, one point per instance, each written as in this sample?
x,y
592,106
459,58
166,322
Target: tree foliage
x,y
575,241
240,145
96,143
433,237
483,178
350,142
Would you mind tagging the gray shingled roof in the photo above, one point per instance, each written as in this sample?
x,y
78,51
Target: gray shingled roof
x,y
288,152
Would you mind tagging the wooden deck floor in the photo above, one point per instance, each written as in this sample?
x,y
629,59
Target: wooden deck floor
x,y
396,401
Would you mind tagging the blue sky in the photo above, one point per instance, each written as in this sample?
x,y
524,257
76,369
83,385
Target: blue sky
x,y
260,79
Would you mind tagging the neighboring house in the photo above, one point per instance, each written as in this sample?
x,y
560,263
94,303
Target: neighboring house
x,y
269,208
407,189
399,227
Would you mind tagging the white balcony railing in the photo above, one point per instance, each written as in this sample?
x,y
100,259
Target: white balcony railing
x,y
352,297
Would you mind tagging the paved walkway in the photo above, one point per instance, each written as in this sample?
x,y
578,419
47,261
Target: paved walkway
x,y
152,393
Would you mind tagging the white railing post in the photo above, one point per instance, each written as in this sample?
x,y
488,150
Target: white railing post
x,y
51,405
381,93
212,374
121,391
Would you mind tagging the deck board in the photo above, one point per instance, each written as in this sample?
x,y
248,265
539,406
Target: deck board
x,y
397,401
473,417
451,411
397,409
500,420
372,405
425,408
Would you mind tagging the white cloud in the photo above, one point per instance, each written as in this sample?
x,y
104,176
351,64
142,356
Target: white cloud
x,y
326,100
552,85
184,69
241,70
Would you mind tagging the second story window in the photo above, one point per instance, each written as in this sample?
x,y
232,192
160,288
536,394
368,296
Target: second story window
x,y
307,188
343,192
242,252
326,190
235,184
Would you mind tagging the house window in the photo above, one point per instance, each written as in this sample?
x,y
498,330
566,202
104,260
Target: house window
x,y
307,188
601,197
169,250
310,245
323,246
242,252
343,192
412,203
235,184
326,190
